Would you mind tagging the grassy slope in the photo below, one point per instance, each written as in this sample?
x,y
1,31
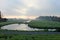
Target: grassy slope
x,y
44,24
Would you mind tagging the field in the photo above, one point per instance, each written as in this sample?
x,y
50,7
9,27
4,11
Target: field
x,y
29,37
45,24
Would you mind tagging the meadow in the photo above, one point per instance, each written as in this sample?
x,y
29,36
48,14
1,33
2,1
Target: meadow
x,y
45,24
30,37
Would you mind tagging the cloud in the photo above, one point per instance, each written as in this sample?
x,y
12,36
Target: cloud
x,y
30,7
22,10
3,4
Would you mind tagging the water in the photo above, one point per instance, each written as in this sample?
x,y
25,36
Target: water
x,y
24,27
20,27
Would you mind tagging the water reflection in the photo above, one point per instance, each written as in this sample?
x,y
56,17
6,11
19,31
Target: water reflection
x,y
24,27
20,27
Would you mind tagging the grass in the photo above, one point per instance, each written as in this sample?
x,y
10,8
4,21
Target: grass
x,y
7,23
29,37
44,24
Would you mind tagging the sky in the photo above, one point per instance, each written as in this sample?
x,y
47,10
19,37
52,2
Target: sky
x,y
29,8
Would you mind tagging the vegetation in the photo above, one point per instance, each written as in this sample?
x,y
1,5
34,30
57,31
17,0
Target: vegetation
x,y
11,21
45,24
49,18
3,19
7,23
30,37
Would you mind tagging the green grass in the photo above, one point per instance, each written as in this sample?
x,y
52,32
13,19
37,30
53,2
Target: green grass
x,y
30,37
44,24
7,23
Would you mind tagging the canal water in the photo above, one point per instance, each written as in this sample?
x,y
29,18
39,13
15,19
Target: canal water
x,y
24,27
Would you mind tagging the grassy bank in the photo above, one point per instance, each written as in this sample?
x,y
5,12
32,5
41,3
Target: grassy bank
x,y
44,24
30,37
7,23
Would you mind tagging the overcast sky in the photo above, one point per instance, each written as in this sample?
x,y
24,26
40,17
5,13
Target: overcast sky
x,y
13,8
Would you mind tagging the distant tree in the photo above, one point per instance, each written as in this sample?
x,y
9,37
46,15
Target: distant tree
x,y
49,18
3,20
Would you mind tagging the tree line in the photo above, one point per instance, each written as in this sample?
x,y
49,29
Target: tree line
x,y
49,18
